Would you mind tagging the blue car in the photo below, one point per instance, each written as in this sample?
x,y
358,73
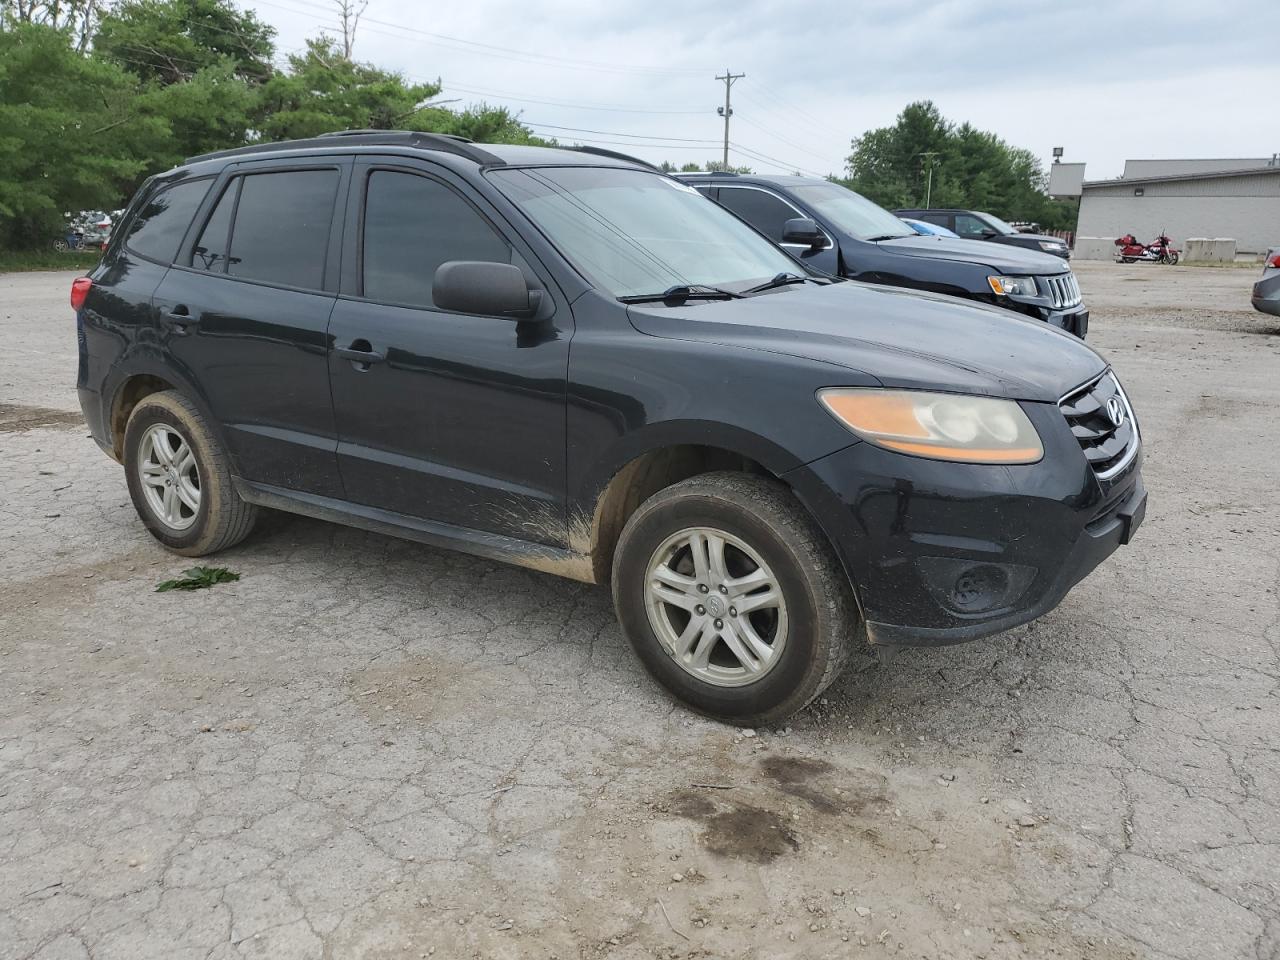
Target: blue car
x,y
928,229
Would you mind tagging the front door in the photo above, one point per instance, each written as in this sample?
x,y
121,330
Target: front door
x,y
768,213
449,417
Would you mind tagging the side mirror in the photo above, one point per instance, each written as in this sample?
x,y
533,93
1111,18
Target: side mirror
x,y
491,289
989,234
802,230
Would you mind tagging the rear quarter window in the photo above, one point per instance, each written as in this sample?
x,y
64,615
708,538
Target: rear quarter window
x,y
159,225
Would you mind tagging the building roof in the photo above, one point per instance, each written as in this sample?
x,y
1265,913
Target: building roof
x,y
1208,175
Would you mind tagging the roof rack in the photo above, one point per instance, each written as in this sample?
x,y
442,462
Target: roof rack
x,y
614,155
441,142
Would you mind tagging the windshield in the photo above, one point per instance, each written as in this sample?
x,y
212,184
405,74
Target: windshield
x,y
999,224
852,213
633,232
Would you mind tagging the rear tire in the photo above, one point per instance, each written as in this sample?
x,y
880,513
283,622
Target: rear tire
x,y
743,666
180,478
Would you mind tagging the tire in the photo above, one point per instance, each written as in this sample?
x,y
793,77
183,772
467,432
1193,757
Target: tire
x,y
808,637
168,422
60,245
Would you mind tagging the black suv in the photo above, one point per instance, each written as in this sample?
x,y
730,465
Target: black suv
x,y
572,362
833,229
972,225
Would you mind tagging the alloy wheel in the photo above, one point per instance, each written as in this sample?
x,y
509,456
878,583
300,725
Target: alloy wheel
x,y
169,475
716,607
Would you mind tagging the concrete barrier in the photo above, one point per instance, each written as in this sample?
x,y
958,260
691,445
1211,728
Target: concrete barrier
x,y
1094,248
1205,250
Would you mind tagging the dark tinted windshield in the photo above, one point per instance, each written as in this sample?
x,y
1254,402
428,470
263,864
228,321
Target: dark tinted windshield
x,y
634,232
850,212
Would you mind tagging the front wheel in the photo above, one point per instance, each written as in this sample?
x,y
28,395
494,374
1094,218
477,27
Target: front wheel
x,y
180,478
732,597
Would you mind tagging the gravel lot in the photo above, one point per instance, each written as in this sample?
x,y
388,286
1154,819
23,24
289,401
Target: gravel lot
x,y
367,748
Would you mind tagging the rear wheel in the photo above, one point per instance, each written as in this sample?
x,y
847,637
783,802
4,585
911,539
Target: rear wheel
x,y
180,478
732,597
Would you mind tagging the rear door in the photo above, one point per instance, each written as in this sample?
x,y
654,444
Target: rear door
x,y
448,417
245,314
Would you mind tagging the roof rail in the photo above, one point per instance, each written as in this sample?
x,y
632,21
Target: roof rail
x,y
614,155
371,130
442,142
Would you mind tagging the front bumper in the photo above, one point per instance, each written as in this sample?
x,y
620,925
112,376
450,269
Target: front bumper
x,y
943,553
1074,320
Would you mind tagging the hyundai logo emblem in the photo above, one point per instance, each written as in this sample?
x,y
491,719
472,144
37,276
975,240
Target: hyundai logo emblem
x,y
1115,411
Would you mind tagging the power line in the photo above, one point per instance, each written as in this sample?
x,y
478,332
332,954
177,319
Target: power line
x,y
560,103
489,49
782,139
772,97
781,164
614,133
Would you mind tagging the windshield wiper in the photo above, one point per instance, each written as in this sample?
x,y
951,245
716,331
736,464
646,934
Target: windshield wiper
x,y
780,280
682,292
889,236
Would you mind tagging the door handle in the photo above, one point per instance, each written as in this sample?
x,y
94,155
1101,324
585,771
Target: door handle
x,y
360,353
180,318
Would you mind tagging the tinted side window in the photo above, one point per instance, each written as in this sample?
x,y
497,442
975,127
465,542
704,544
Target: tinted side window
x,y
210,250
412,225
762,210
941,219
970,226
158,227
281,233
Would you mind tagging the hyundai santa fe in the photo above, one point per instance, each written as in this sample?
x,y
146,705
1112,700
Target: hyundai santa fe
x,y
568,361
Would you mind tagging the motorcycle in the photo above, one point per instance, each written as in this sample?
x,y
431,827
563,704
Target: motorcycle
x,y
1132,250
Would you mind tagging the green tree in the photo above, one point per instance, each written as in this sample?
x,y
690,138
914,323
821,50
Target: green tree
x,y
72,134
323,91
967,167
479,122
172,41
213,110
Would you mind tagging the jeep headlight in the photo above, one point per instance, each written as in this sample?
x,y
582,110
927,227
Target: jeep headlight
x,y
942,426
1014,286
1051,245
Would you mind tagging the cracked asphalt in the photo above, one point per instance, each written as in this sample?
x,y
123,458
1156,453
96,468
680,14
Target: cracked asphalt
x,y
367,748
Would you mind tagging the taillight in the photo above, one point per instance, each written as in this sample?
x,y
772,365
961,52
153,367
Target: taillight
x,y
79,290
1274,261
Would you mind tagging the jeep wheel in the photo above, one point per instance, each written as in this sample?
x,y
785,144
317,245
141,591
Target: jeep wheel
x,y
732,597
180,479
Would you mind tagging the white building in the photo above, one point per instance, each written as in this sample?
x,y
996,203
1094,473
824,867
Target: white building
x,y
1221,198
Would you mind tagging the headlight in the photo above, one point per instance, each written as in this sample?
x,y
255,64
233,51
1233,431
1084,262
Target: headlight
x,y
942,426
1050,245
1014,286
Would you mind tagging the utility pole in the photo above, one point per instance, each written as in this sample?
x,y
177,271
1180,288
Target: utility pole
x,y
928,156
727,111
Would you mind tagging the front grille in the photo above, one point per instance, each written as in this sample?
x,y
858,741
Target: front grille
x,y
1064,291
1091,415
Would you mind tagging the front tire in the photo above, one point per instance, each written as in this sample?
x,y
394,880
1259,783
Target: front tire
x,y
732,597
180,478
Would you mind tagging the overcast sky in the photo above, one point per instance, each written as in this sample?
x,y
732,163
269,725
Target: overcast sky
x,y
1105,79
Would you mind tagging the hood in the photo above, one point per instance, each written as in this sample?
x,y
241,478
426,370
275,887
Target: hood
x,y
1002,257
902,338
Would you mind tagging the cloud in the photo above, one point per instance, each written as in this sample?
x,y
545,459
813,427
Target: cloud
x,y
1104,79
